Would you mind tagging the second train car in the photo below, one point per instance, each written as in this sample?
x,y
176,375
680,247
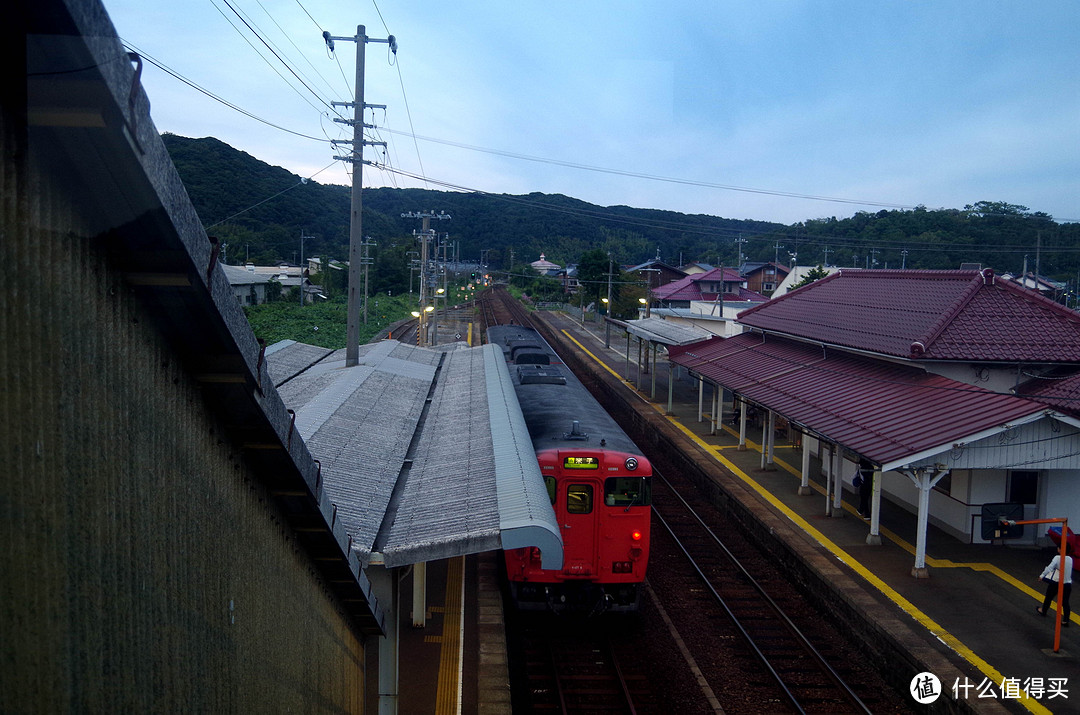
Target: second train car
x,y
599,484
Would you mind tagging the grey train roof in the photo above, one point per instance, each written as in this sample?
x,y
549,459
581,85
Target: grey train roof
x,y
553,400
424,452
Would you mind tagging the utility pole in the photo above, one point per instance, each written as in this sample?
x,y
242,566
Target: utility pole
x,y
352,335
826,257
326,275
903,259
607,326
367,261
776,253
426,234
739,242
414,262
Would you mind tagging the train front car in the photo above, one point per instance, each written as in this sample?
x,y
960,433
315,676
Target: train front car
x,y
598,482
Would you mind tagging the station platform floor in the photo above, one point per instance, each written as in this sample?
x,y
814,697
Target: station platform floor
x,y
972,623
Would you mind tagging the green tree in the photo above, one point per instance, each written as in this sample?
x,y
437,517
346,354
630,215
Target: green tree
x,y
816,273
592,272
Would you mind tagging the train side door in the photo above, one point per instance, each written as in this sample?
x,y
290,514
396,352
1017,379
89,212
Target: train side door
x,y
578,524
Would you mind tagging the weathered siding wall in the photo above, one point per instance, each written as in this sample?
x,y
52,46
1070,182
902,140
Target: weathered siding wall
x,y
142,566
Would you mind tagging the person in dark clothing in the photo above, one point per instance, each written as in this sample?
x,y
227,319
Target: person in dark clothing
x,y
865,486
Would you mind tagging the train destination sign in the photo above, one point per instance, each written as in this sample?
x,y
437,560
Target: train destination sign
x,y
581,463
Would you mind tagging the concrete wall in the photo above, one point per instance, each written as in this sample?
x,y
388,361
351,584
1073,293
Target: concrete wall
x,y
143,567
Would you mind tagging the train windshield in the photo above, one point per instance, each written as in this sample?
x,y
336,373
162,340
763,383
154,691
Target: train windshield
x,y
579,499
551,485
627,491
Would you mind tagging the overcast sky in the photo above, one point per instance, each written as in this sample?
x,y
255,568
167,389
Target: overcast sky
x,y
780,111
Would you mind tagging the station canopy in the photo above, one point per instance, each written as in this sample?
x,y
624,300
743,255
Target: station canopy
x,y
424,452
665,332
892,414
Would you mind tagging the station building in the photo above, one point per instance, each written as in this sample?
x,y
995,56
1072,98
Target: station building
x,y
954,389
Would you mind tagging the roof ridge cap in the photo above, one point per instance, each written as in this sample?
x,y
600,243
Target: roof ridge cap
x,y
919,345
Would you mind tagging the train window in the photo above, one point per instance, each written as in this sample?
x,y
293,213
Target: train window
x,y
551,485
627,491
579,499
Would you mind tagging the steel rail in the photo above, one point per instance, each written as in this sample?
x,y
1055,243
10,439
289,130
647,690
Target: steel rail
x,y
802,640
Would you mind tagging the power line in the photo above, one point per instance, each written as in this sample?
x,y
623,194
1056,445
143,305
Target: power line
x,y
173,73
274,52
652,177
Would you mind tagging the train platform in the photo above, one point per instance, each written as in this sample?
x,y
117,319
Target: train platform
x,y
972,623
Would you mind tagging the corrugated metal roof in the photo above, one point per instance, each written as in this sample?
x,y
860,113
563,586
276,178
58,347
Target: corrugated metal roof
x,y
666,332
925,315
885,412
416,479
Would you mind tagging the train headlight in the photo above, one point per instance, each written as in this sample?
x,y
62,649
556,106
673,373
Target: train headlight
x,y
631,464
636,536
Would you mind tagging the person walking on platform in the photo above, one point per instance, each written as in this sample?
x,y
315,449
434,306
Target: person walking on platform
x,y
1050,577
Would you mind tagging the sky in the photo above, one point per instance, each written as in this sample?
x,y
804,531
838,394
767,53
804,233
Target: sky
x,y
777,110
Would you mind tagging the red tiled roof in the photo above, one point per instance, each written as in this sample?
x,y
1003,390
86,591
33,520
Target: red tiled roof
x,y
925,315
880,410
689,288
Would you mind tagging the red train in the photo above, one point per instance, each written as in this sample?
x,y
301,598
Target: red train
x,y
599,484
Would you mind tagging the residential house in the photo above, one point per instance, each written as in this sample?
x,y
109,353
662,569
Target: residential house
x,y
655,273
1049,287
763,277
717,285
710,301
795,276
696,267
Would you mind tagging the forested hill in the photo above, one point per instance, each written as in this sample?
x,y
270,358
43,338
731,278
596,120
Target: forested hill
x,y
261,211
223,182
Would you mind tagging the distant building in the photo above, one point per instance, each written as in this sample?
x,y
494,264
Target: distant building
x,y
1048,287
795,276
696,267
251,283
764,277
656,273
715,286
544,266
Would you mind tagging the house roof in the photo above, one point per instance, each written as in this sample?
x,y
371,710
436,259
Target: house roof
x,y
749,268
240,276
689,288
655,262
891,414
925,315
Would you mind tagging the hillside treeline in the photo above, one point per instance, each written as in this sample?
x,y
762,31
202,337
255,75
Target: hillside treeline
x,y
261,212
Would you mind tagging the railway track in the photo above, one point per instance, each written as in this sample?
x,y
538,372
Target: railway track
x,y
497,307
782,667
758,642
577,665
